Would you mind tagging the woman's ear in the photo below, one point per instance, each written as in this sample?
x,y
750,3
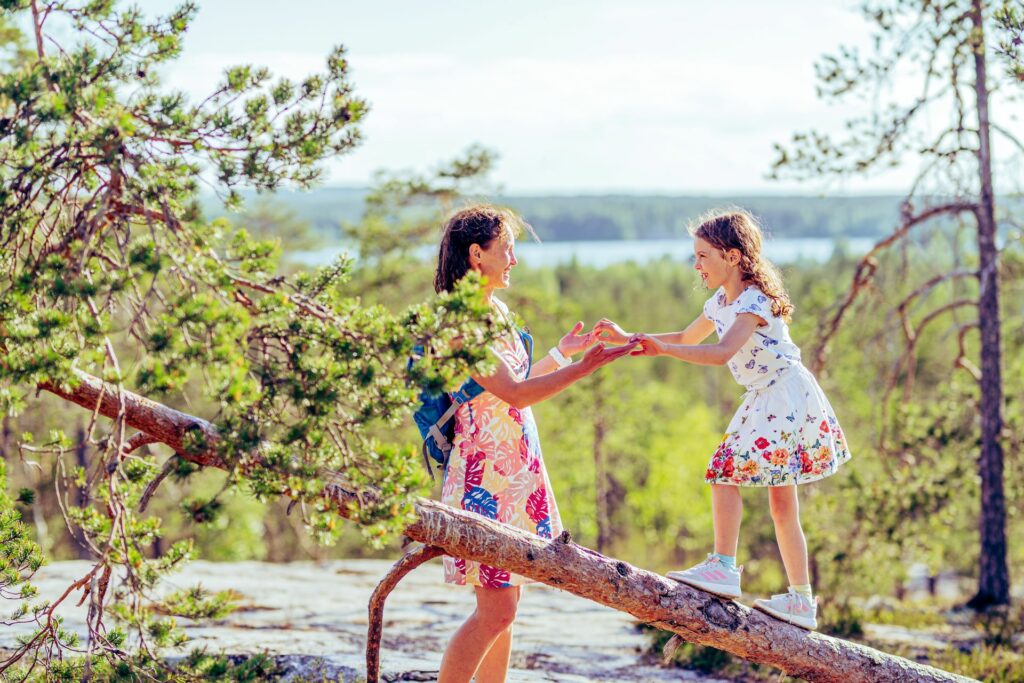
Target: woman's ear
x,y
475,255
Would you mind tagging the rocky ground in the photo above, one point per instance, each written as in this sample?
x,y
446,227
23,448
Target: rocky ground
x,y
312,618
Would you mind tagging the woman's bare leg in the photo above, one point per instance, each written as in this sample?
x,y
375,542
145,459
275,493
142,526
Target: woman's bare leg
x,y
494,667
491,621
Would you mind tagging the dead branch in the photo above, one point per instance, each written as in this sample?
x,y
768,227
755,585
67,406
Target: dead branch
x,y
961,360
868,264
406,564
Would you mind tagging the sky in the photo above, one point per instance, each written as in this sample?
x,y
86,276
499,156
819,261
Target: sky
x,y
638,96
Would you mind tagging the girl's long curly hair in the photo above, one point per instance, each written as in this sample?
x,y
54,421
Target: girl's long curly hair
x,y
478,224
738,229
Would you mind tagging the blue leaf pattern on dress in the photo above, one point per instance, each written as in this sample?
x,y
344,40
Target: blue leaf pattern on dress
x,y
480,501
544,528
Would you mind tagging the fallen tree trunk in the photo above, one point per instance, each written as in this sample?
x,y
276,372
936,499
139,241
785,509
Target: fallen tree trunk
x,y
694,615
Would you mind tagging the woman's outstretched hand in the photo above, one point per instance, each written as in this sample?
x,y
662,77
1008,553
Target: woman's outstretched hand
x,y
646,345
606,330
600,355
574,342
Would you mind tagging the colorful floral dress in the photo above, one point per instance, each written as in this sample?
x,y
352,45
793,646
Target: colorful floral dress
x,y
496,470
785,431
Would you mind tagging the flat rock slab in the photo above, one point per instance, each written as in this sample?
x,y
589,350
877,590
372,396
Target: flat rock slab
x,y
312,618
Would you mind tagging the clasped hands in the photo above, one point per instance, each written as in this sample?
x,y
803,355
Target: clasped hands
x,y
606,331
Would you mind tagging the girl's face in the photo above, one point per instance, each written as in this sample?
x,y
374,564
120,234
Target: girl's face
x,y
714,265
495,261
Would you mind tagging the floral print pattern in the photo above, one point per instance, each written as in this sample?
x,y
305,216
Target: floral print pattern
x,y
785,431
496,470
769,353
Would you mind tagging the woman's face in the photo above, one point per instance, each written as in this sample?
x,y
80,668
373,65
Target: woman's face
x,y
712,263
495,261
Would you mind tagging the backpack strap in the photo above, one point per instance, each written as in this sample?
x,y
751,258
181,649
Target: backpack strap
x,y
527,340
435,429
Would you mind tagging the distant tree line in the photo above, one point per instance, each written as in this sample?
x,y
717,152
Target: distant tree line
x,y
633,217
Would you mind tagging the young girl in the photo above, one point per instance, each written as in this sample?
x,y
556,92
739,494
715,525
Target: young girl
x,y
784,432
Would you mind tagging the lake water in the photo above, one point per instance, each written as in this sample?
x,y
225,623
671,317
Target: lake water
x,y
604,253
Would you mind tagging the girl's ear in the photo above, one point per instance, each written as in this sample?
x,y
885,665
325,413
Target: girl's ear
x,y
733,256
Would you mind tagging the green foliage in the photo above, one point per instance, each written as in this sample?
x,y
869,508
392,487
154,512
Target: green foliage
x,y
20,557
1010,18
198,603
708,660
984,663
196,666
114,272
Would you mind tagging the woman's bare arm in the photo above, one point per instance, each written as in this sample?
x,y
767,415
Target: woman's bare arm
x,y
523,393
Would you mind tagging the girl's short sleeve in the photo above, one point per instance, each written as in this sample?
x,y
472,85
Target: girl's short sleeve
x,y
753,300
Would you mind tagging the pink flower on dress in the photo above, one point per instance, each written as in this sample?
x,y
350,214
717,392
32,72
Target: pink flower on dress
x,y
727,468
806,466
823,427
762,443
515,414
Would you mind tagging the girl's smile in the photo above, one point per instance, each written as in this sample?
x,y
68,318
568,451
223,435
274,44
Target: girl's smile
x,y
710,263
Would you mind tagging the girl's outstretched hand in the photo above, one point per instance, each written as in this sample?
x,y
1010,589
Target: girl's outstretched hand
x,y
646,345
606,330
574,342
600,355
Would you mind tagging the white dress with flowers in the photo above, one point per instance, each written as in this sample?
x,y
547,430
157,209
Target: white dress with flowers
x,y
785,431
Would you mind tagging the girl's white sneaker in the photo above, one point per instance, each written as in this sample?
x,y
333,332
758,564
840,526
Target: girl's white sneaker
x,y
713,576
791,607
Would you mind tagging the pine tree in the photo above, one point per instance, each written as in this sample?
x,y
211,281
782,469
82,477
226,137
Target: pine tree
x,y
948,45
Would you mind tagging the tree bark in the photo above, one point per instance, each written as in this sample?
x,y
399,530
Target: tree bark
x,y
405,564
694,615
993,574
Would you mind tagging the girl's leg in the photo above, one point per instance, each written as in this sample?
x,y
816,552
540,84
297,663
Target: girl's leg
x,y
494,666
727,513
494,614
792,544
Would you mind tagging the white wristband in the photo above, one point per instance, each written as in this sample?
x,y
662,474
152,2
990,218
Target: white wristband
x,y
558,357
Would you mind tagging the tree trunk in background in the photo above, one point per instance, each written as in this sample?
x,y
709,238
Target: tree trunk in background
x,y
5,437
601,476
81,460
993,575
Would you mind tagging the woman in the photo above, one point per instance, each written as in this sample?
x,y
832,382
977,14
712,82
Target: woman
x,y
496,468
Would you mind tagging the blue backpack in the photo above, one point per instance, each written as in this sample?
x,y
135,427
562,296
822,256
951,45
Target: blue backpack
x,y
436,410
